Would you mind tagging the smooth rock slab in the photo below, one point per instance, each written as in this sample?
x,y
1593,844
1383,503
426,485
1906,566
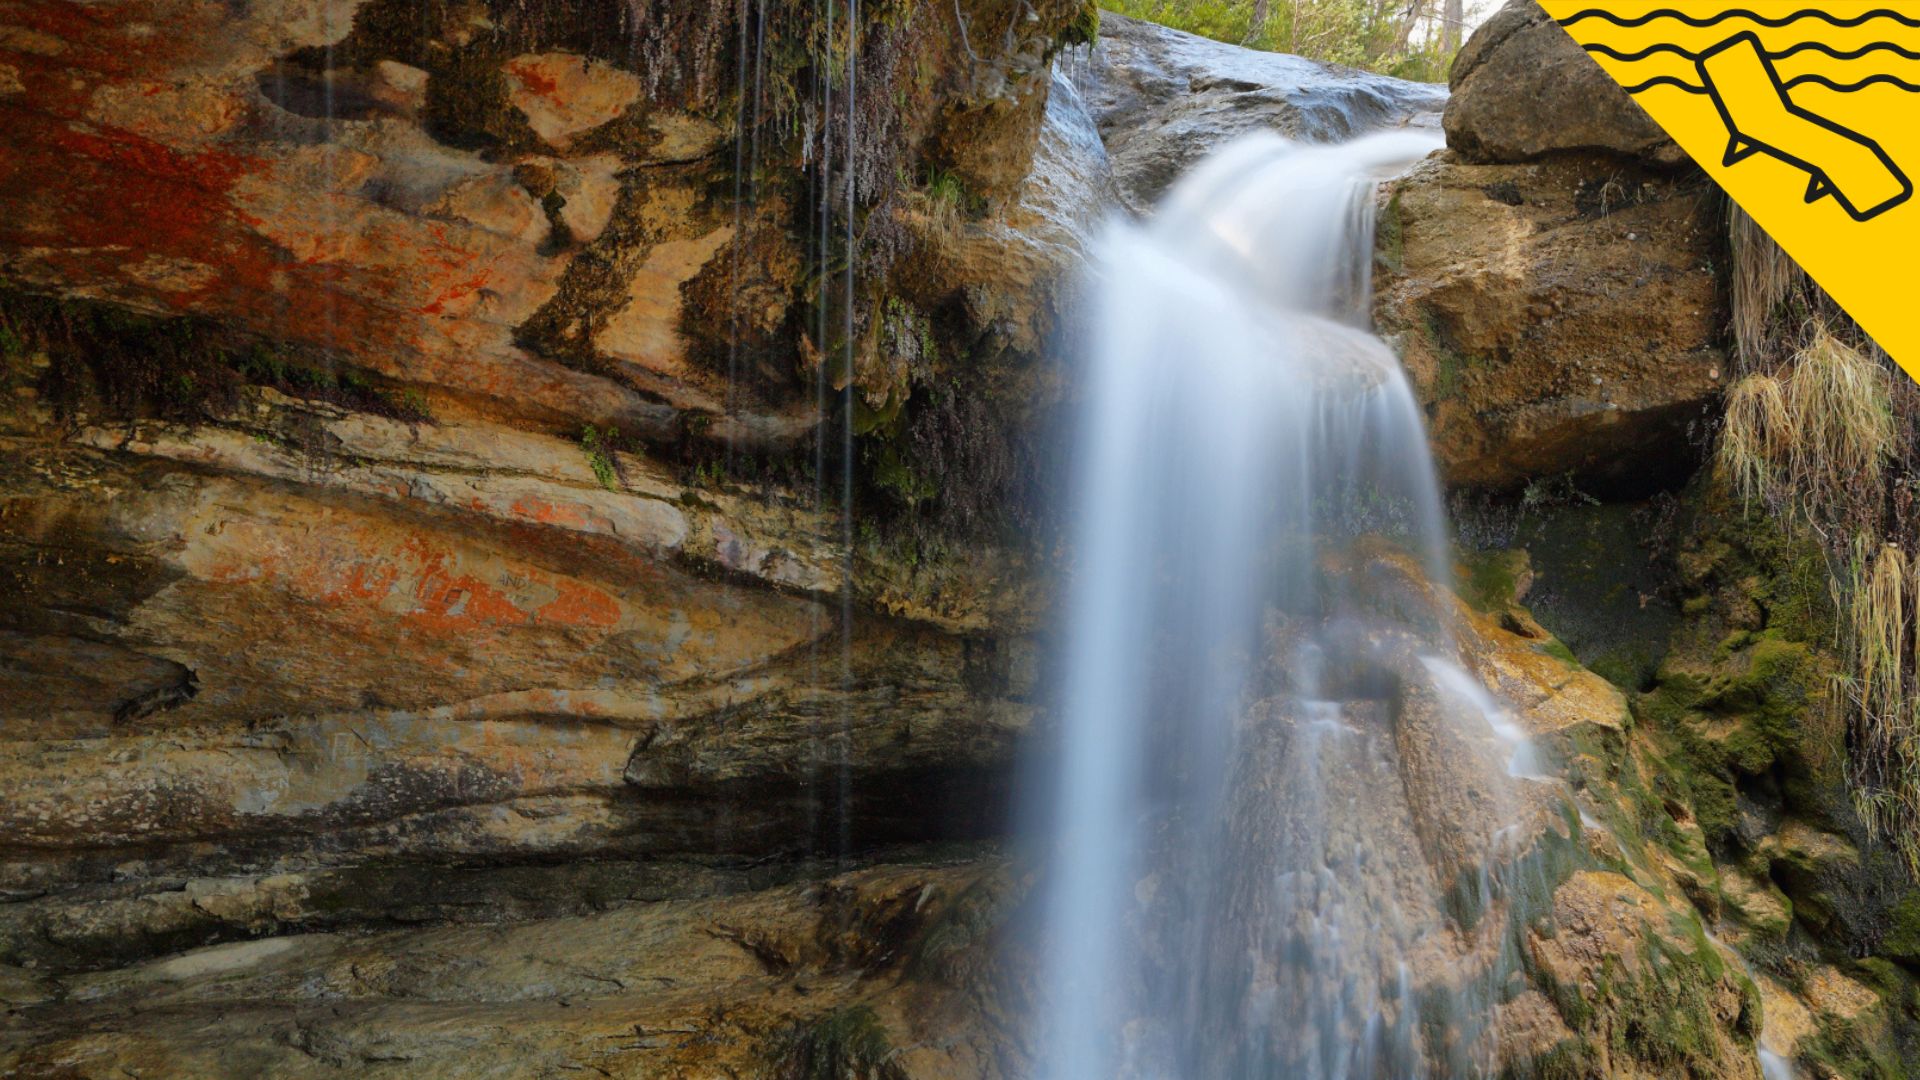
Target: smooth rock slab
x,y
1164,99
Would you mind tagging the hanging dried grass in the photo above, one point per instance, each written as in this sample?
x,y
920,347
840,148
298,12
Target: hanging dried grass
x,y
1754,438
1841,432
1763,277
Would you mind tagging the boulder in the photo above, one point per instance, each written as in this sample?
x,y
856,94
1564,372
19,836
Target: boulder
x,y
1560,316
1164,99
1523,90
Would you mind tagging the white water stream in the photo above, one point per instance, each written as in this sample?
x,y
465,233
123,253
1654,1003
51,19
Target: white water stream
x,y
1236,886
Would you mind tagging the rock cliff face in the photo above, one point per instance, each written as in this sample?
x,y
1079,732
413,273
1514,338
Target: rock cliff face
x,y
398,519
417,507
446,634
1558,281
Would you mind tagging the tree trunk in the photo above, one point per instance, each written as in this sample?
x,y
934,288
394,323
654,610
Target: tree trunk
x,y
1257,23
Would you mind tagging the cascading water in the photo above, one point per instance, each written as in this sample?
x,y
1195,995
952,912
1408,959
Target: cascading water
x,y
1278,802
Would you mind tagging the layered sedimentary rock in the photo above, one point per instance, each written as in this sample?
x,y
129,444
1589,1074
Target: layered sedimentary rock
x,y
410,504
859,974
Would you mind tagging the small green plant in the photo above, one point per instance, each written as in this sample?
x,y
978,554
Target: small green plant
x,y
1084,30
946,196
846,1044
410,404
709,474
1552,492
600,448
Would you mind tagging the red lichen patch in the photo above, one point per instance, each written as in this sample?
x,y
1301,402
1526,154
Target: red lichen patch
x,y
455,602
370,581
238,568
89,189
448,600
98,41
581,605
532,508
456,292
95,203
531,72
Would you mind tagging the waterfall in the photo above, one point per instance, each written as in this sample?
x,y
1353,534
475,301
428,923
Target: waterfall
x,y
1256,865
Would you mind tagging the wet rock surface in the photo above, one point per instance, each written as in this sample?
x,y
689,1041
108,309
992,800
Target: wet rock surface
x,y
386,543
1164,99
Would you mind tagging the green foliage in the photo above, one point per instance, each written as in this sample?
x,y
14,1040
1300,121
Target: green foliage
x,y
944,188
1084,30
706,474
1393,37
601,448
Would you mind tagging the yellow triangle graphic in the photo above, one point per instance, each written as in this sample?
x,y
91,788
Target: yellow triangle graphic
x,y
1807,113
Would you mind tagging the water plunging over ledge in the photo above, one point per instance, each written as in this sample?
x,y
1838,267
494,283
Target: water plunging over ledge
x,y
1279,807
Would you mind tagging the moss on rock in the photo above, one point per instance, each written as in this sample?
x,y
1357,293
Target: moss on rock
x,y
846,1044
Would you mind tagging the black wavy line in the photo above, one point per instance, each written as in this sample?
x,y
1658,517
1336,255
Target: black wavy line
x,y
1782,54
1741,13
1666,80
1803,80
1846,88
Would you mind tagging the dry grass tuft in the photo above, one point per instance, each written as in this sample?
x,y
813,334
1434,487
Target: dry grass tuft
x,y
1754,438
1841,431
1764,277
1877,621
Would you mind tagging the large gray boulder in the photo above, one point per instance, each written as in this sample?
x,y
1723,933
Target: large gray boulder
x,y
1524,89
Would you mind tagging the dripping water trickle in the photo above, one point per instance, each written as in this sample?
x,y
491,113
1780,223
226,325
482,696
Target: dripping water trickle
x,y
742,122
844,791
819,148
750,115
